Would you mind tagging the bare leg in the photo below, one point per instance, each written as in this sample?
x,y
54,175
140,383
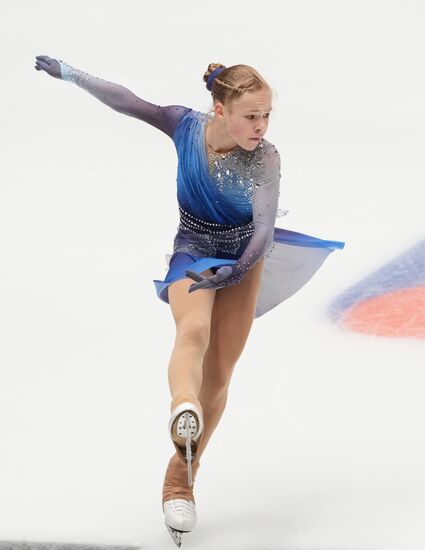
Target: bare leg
x,y
232,318
192,315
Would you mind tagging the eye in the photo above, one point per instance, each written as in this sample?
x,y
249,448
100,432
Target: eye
x,y
266,115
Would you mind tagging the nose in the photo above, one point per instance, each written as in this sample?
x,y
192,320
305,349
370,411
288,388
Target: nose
x,y
261,127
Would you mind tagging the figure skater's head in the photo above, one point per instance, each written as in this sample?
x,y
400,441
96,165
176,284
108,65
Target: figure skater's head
x,y
242,104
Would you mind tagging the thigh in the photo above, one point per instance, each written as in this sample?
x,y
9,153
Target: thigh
x,y
232,318
195,307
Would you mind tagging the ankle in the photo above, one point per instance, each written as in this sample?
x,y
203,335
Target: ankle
x,y
175,481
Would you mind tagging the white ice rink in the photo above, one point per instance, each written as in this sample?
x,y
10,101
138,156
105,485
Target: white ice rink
x,y
321,446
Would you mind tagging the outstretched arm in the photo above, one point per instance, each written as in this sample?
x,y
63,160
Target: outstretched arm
x,y
264,209
117,97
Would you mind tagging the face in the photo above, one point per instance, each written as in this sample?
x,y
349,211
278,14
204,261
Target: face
x,y
248,118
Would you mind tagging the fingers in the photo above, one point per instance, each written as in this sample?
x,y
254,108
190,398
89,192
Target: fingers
x,y
208,282
223,272
42,58
202,284
44,63
41,64
194,275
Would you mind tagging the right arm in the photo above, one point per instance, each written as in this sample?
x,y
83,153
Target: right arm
x,y
117,97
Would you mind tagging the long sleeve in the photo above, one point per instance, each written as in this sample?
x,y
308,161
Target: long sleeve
x,y
264,209
122,100
265,199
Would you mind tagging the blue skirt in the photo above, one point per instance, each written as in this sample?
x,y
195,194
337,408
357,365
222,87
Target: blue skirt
x,y
292,262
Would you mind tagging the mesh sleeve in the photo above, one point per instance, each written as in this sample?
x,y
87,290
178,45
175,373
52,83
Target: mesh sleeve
x,y
122,100
264,209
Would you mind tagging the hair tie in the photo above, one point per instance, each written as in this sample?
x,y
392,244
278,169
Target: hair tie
x,y
213,75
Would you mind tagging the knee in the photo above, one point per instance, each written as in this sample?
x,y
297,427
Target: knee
x,y
193,330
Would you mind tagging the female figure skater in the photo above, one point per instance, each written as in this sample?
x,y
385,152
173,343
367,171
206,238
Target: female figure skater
x,y
227,188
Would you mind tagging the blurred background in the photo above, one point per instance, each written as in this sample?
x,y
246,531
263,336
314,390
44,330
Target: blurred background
x,y
321,444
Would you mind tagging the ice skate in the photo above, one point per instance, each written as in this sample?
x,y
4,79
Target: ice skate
x,y
186,427
178,502
180,517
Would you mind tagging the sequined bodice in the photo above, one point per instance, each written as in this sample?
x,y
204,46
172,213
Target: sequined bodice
x,y
212,186
234,169
228,170
223,197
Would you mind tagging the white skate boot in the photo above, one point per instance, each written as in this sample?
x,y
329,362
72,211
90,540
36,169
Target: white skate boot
x,y
180,517
185,428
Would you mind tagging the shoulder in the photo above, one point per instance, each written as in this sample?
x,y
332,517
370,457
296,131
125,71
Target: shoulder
x,y
267,160
194,114
176,112
183,117
190,116
268,152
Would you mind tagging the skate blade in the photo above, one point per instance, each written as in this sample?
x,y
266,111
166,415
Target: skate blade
x,y
175,535
188,453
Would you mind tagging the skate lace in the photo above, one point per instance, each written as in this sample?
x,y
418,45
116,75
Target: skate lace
x,y
181,505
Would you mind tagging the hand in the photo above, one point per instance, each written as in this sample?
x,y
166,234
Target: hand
x,y
213,281
46,63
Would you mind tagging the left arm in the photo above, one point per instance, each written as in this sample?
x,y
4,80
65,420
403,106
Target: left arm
x,y
119,98
264,208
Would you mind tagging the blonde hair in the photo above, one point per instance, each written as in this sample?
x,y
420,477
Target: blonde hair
x,y
233,82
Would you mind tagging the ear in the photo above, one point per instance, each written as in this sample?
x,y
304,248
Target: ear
x,y
218,108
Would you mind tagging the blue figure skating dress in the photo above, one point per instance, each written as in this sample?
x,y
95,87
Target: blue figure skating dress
x,y
228,204
227,213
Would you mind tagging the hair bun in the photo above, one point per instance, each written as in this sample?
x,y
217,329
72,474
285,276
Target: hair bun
x,y
212,67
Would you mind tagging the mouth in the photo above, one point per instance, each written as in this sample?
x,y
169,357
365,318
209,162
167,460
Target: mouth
x,y
256,139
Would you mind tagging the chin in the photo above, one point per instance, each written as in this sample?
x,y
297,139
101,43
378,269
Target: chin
x,y
250,145
253,144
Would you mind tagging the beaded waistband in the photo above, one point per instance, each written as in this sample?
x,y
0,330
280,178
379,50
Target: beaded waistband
x,y
187,221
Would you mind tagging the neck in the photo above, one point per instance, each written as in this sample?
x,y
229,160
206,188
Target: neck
x,y
217,138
